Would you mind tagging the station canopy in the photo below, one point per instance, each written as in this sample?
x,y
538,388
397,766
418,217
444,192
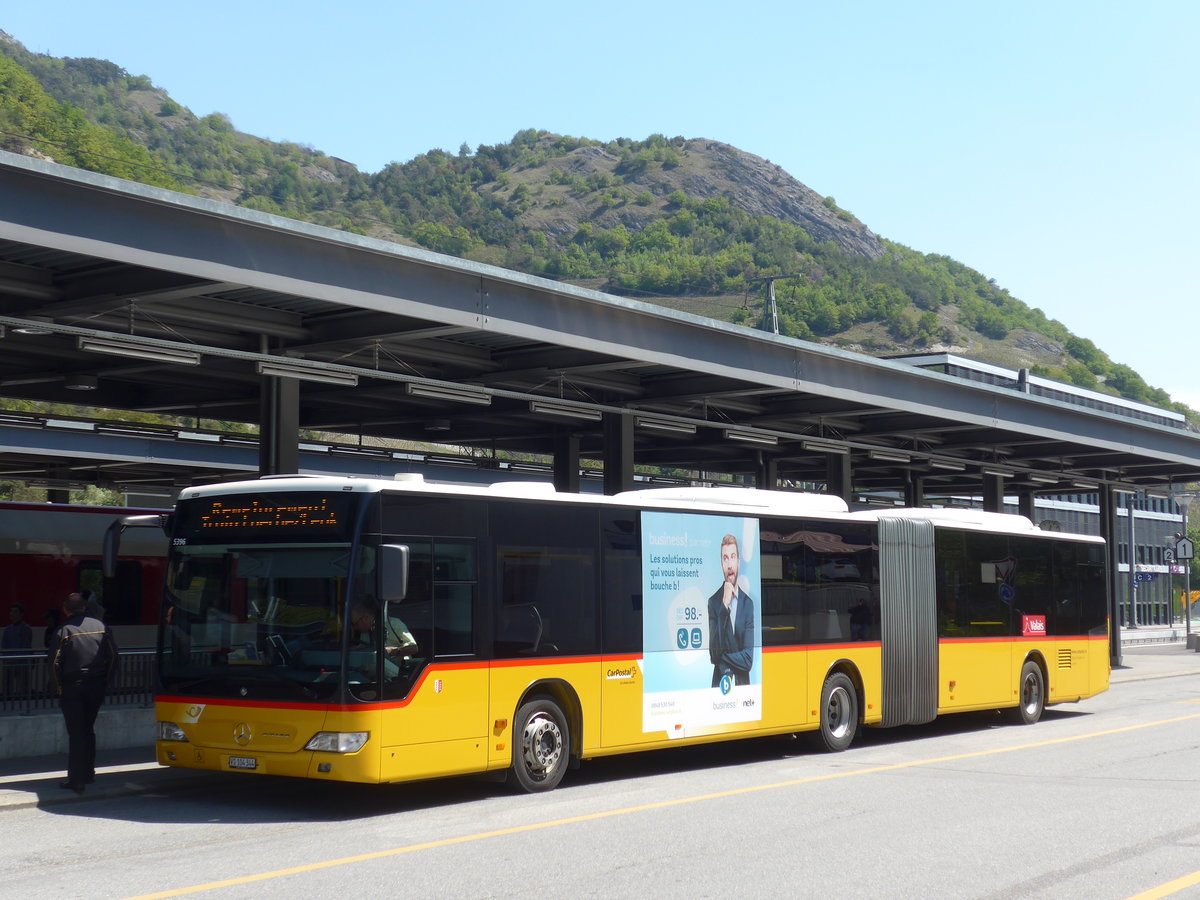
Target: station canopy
x,y
128,297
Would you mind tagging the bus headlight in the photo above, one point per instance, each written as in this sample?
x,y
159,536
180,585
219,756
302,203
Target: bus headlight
x,y
338,741
169,731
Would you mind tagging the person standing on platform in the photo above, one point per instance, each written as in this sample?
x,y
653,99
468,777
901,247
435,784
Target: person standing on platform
x,y
95,608
83,661
16,642
53,619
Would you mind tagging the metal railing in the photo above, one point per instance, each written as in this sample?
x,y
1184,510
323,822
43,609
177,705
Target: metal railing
x,y
26,687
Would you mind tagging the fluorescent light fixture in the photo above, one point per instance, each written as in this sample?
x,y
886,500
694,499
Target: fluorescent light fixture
x,y
889,456
447,392
81,382
464,461
999,473
567,412
70,423
147,352
825,447
1085,485
947,465
34,325
530,467
665,425
751,437
1040,479
304,373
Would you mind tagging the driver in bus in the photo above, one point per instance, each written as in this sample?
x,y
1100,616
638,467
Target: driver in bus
x,y
398,642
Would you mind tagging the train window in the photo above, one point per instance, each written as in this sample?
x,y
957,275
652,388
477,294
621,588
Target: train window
x,y
121,596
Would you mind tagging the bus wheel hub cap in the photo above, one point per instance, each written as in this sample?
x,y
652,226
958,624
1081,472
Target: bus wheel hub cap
x,y
542,742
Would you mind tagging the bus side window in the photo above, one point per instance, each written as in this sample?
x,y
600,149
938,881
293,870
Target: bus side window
x,y
782,554
1032,584
546,579
621,576
975,590
454,585
820,582
439,606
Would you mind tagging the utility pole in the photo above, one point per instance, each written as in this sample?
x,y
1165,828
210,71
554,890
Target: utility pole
x,y
770,321
1133,582
1182,554
772,316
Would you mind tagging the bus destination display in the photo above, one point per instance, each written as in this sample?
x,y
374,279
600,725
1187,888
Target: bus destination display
x,y
265,517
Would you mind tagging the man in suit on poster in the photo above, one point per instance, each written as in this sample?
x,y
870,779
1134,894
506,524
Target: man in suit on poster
x,y
731,634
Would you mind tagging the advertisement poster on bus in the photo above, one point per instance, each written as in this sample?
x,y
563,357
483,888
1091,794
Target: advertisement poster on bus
x,y
701,624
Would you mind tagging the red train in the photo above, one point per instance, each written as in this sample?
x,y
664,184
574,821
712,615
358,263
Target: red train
x,y
49,550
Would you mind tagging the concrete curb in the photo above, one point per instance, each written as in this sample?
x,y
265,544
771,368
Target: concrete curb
x,y
42,789
1144,662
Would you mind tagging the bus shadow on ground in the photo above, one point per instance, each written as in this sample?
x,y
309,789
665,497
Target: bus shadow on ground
x,y
959,723
806,744
220,798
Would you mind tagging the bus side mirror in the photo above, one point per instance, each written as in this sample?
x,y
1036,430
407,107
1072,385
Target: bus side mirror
x,y
112,537
112,549
392,572
183,576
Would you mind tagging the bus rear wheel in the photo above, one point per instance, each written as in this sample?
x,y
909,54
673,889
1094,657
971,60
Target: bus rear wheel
x,y
1032,695
839,712
541,746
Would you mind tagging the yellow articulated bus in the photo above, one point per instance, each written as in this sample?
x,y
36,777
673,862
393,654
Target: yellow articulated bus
x,y
385,631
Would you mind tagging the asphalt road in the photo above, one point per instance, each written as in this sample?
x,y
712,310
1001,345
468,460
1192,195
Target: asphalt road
x,y
1099,800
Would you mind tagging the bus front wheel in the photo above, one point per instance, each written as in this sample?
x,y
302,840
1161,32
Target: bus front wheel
x,y
541,746
1032,695
839,712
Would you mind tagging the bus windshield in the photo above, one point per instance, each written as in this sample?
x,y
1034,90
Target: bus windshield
x,y
262,620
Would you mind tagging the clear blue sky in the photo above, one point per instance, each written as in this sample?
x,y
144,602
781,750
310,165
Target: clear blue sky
x,y
1052,145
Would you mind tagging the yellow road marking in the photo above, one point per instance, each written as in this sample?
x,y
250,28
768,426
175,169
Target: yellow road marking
x,y
1171,887
662,804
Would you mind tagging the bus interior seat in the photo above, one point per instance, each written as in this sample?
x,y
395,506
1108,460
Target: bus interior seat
x,y
520,628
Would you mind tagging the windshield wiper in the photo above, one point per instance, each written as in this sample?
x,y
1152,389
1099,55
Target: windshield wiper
x,y
276,678
186,685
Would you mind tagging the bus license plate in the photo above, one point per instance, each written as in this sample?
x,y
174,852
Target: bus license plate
x,y
243,762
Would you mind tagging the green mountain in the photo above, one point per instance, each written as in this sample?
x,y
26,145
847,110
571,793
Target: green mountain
x,y
693,224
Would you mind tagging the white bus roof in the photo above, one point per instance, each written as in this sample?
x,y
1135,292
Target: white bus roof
x,y
750,501
972,519
713,498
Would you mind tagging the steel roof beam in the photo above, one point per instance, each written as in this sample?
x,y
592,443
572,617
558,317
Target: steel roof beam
x,y
313,267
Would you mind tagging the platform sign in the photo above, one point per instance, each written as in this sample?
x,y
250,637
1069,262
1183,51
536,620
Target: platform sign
x,y
1184,549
